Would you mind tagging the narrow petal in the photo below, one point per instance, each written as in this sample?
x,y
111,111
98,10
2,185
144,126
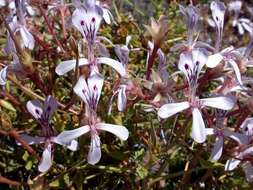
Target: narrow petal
x,y
82,90
122,99
231,164
35,108
199,58
118,130
237,71
66,137
223,103
31,140
66,66
217,149
94,154
240,138
168,110
198,127
214,60
113,63
95,84
46,160
27,38
3,76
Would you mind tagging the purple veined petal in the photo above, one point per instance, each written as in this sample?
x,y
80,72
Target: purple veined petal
x,y
198,126
66,137
218,12
185,64
122,98
3,76
217,149
119,67
87,21
168,110
231,164
46,160
210,131
238,137
214,60
31,140
73,145
199,58
94,154
223,103
118,130
27,38
95,84
248,169
82,90
66,66
50,105
237,70
35,108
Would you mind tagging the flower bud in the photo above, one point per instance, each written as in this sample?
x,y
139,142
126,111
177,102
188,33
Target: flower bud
x,y
158,29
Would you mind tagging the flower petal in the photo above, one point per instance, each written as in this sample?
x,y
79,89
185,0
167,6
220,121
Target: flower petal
x,y
82,90
31,140
66,66
223,103
122,99
168,110
94,154
210,131
113,63
95,84
3,76
66,137
198,127
214,60
118,130
240,138
27,38
73,145
46,160
231,164
35,108
237,71
50,106
217,149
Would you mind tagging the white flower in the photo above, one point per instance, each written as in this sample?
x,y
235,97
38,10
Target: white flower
x,y
220,134
94,154
43,114
198,125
